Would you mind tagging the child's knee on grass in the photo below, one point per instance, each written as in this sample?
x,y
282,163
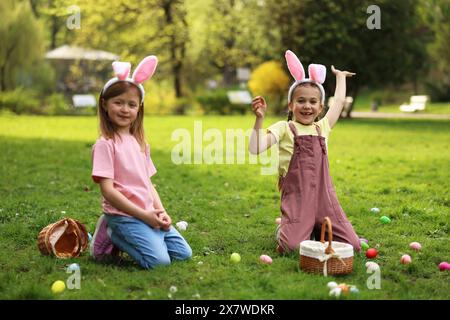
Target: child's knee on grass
x,y
150,262
185,254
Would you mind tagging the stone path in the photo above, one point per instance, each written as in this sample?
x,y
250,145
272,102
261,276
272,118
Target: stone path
x,y
384,115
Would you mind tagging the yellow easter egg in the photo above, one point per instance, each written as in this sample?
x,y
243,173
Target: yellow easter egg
x,y
58,286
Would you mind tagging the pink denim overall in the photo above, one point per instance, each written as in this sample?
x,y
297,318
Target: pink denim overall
x,y
308,196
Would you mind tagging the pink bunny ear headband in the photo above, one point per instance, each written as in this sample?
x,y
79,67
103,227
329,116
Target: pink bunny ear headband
x,y
143,72
317,74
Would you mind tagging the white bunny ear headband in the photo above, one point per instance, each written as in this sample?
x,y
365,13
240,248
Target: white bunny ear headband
x,y
143,72
317,74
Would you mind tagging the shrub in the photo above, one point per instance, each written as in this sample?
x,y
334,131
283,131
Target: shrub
x,y
271,81
159,98
20,101
389,96
439,91
217,102
55,104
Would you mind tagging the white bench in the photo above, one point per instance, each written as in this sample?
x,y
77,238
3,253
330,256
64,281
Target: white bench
x,y
84,100
417,103
239,97
347,105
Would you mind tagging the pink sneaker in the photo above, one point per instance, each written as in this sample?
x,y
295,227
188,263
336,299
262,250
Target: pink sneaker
x,y
101,244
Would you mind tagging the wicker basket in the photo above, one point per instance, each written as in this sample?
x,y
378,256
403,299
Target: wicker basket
x,y
65,238
319,257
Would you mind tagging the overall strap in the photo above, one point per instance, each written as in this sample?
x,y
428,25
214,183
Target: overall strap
x,y
321,139
319,132
294,131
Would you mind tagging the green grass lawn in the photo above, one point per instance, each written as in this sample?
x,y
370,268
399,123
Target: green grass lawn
x,y
399,166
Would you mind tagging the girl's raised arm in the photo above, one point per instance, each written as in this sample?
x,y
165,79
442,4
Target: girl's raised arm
x,y
259,141
335,110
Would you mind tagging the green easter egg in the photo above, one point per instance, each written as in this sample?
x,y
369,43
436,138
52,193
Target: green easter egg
x,y
364,245
385,220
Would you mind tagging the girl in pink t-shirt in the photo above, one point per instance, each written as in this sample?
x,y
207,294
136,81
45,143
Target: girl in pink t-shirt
x,y
134,218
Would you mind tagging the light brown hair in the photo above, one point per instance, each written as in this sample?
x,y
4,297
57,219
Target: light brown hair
x,y
304,84
107,127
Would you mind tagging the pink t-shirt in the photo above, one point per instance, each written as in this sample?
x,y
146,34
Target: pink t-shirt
x,y
130,169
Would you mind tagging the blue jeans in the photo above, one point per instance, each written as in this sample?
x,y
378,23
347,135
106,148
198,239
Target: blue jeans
x,y
149,247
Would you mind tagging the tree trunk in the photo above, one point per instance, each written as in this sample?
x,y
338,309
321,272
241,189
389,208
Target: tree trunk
x,y
354,94
177,62
228,75
176,69
33,6
54,32
3,78
9,52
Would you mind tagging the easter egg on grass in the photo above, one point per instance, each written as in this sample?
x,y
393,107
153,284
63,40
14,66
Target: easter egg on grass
x,y
58,286
354,290
415,246
405,259
72,267
336,292
182,225
345,288
364,245
444,266
385,220
331,285
235,257
265,259
371,253
375,210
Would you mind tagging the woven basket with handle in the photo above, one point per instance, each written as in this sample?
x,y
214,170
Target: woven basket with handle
x,y
65,238
328,258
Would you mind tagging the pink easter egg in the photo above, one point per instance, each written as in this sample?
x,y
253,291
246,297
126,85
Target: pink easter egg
x,y
444,266
415,246
265,259
405,259
278,220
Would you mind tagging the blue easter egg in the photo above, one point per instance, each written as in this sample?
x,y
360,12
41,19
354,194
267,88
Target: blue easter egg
x,y
354,290
73,267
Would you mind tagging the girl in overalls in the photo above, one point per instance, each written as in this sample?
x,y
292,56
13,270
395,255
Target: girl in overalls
x,y
307,192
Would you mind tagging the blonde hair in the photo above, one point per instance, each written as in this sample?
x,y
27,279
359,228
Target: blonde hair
x,y
107,128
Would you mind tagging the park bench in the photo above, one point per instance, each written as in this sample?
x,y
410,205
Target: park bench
x,y
84,100
347,105
417,103
239,97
